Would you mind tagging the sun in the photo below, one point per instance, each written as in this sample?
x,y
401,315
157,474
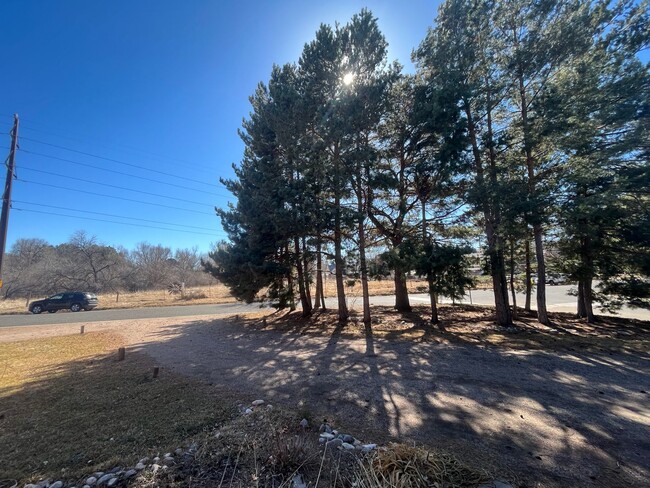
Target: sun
x,y
348,78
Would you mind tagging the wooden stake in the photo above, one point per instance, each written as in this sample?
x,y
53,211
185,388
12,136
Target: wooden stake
x,y
82,329
155,371
120,354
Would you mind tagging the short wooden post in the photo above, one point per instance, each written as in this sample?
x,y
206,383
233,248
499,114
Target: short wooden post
x,y
264,321
155,371
121,353
82,329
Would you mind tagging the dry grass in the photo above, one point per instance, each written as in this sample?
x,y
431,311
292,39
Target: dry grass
x,y
67,407
406,466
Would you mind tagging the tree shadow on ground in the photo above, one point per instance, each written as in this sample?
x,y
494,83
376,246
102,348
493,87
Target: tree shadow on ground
x,y
544,408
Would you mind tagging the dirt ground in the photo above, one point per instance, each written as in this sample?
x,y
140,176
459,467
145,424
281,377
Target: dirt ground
x,y
545,407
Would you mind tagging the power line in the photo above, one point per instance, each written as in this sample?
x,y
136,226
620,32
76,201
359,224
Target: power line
x,y
121,147
113,215
76,178
117,161
111,221
114,196
122,173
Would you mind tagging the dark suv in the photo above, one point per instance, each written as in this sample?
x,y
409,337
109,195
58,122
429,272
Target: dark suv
x,y
74,301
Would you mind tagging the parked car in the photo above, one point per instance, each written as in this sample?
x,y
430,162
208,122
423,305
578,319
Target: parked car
x,y
554,279
75,301
557,279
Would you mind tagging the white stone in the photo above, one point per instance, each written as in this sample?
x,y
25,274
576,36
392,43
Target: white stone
x,y
248,411
130,473
91,481
155,467
144,460
156,459
112,482
140,466
326,435
57,484
304,424
368,447
257,403
347,446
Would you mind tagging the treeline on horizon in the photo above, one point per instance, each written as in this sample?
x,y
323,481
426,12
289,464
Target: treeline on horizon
x,y
34,267
525,123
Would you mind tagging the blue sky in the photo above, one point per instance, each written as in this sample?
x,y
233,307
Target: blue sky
x,y
157,89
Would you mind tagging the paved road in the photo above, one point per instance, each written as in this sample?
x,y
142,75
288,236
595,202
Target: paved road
x,y
65,317
558,300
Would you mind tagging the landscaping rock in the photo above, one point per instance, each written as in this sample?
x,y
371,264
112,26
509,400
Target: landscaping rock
x,y
304,423
168,460
57,484
85,486
368,447
155,468
144,460
98,474
335,443
130,474
257,403
347,438
140,466
91,481
347,446
178,452
104,479
327,435
325,427
156,460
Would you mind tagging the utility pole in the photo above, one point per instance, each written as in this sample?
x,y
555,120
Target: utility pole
x,y
6,196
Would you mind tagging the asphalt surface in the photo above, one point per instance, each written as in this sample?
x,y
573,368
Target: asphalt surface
x,y
558,299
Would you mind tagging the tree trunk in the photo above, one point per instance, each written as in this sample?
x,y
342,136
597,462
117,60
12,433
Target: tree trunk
x,y
513,291
343,314
542,314
307,275
304,301
495,249
585,293
402,303
292,298
362,255
529,279
320,290
589,301
433,297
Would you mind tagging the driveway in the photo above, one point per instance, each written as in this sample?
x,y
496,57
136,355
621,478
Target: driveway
x,y
551,418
